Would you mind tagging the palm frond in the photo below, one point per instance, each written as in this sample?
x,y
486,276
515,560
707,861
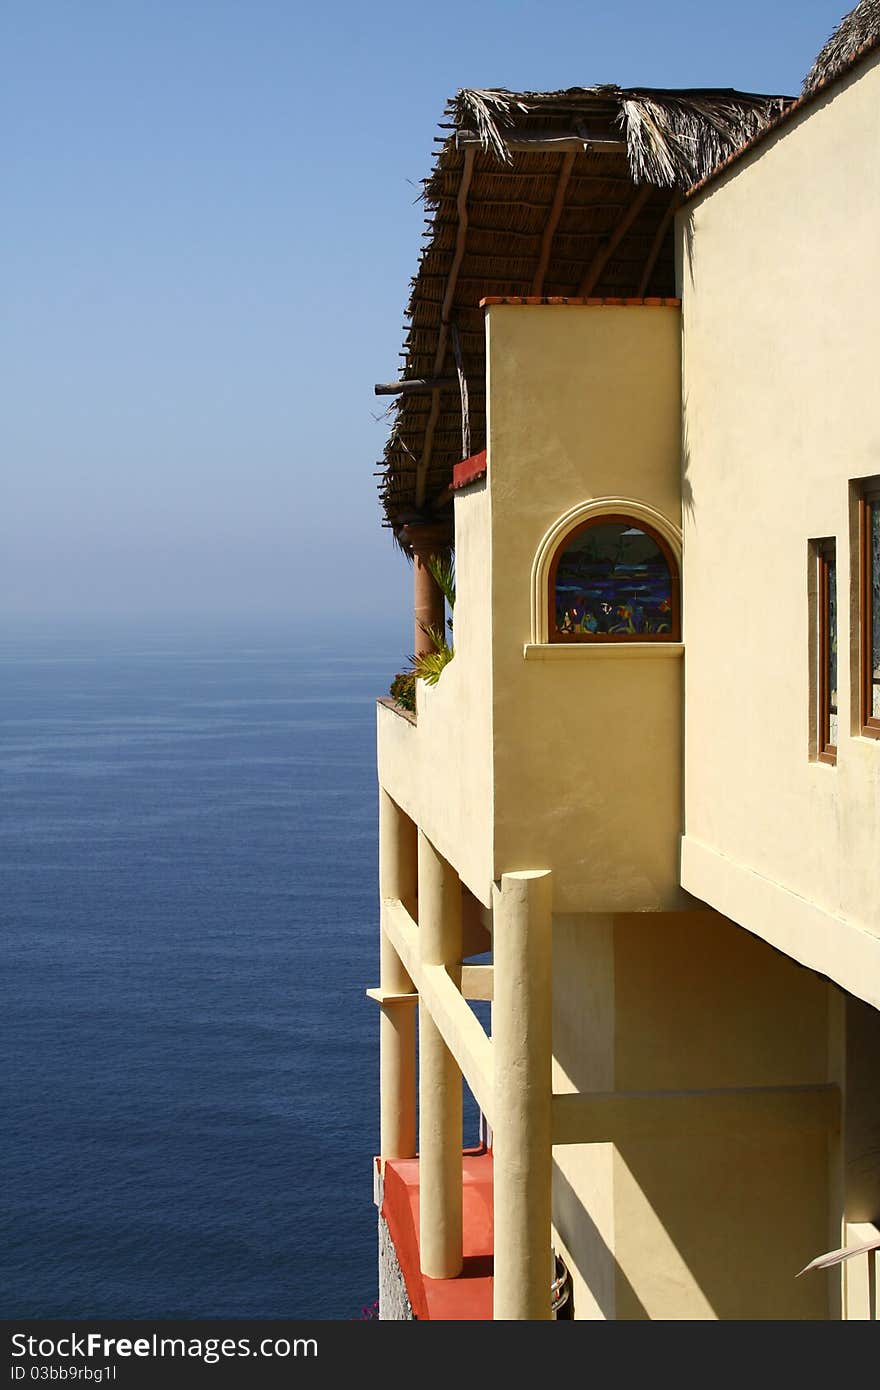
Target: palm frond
x,y
442,570
858,29
675,140
430,666
435,634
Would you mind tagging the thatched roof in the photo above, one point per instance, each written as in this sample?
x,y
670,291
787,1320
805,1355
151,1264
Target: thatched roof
x,y
856,34
565,194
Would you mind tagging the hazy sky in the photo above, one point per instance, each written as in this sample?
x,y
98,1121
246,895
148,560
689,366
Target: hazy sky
x,y
209,224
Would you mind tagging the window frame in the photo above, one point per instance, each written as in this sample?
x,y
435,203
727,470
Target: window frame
x,y
595,638
869,501
826,556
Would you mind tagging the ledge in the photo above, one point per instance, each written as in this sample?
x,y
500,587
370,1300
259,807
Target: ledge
x,y
834,946
601,651
382,996
387,702
469,470
593,303
469,1297
477,982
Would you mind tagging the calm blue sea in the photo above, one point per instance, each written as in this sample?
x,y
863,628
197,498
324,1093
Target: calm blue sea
x,y
189,1069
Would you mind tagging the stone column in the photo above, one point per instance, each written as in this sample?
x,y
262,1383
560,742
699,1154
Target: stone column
x,y
440,1086
398,869
426,541
522,1135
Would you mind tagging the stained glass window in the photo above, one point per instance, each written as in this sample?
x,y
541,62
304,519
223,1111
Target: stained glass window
x,y
614,579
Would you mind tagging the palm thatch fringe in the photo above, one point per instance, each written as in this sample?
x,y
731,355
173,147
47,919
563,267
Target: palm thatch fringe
x,y
677,139
673,139
485,109
858,30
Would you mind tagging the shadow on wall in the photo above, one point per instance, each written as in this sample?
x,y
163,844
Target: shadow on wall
x,y
687,490
588,1250
688,501
713,1231
715,1219
731,1219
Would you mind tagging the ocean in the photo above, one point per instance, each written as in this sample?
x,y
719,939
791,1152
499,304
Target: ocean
x,y
189,1065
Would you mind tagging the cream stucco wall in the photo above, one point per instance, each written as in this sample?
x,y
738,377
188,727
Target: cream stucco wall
x,y
780,331
711,1218
583,403
439,771
572,765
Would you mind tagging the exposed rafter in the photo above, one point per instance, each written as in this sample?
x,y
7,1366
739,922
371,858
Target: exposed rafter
x,y
552,222
547,142
415,383
610,243
656,244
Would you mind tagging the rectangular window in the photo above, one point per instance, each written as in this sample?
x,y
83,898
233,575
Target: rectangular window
x,y
869,607
826,651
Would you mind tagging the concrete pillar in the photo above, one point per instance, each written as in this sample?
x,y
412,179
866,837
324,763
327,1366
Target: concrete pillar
x,y
428,604
440,1088
522,1136
398,870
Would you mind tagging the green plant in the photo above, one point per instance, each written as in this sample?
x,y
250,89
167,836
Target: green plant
x,y
442,571
403,690
429,666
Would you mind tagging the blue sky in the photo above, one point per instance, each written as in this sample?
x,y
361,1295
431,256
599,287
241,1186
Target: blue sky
x,y
210,221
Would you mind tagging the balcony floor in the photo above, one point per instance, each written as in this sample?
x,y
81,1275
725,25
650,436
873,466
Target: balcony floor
x,y
469,1297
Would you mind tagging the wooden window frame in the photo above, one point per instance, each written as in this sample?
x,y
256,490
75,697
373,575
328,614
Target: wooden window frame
x,y
869,501
602,519
826,553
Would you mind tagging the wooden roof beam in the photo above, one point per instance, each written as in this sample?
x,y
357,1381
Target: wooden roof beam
x,y
656,246
546,142
415,383
552,221
610,243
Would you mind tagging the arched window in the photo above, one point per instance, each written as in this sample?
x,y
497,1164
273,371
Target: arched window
x,y
614,579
